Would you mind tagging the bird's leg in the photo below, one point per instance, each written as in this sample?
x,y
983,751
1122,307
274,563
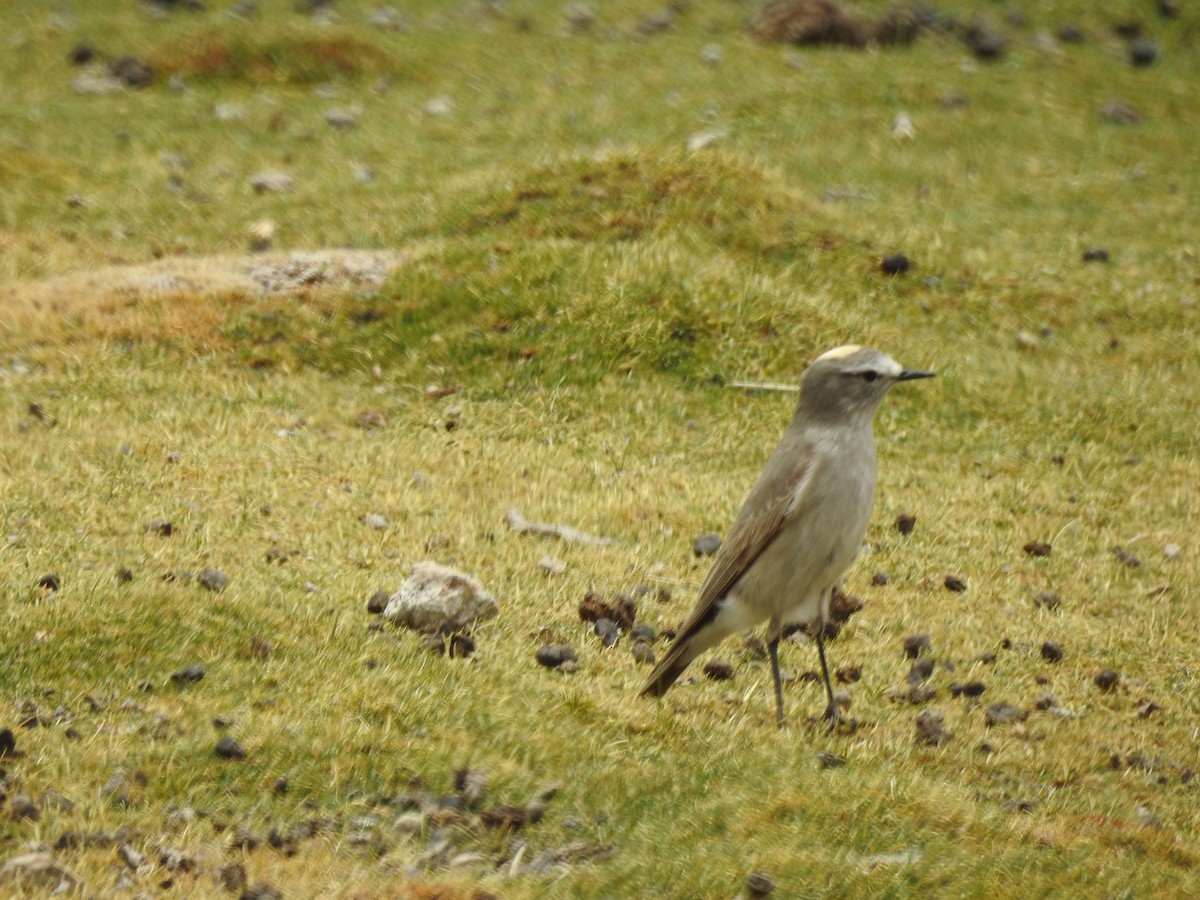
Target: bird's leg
x,y
773,649
831,711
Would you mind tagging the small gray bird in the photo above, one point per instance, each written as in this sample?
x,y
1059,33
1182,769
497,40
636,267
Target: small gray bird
x,y
802,523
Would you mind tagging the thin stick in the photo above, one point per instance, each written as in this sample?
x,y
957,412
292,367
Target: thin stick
x,y
519,524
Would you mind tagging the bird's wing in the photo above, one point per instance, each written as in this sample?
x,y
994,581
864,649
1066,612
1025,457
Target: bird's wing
x,y
776,495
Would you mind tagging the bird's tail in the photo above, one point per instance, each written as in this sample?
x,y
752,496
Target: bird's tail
x,y
685,648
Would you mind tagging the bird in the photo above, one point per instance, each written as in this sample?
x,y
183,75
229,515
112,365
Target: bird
x,y
802,524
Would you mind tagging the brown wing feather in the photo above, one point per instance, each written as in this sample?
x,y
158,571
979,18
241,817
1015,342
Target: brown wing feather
x,y
751,534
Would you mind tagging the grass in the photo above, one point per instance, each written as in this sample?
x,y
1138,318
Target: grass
x,y
589,286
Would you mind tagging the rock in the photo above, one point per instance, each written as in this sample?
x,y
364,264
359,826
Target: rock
x,y
188,675
712,54
1027,341
262,890
1142,52
759,885
377,602
95,80
1071,34
929,728
1052,651
1046,599
131,856
706,545
228,748
8,743
1107,679
161,527
643,632
606,629
905,523
916,644
1095,254
842,606
22,808
343,117
50,581
38,870
1126,557
213,579
643,652
1003,714
896,264
131,71
987,44
967,689
718,670
272,182
1172,551
920,671
232,877
375,520
437,598
554,656
955,584
1037,548
879,579
552,564
1116,113
828,760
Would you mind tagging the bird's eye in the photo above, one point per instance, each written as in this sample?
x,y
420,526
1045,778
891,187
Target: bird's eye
x,y
869,375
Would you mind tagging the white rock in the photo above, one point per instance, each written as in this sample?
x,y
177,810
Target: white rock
x,y
272,181
438,598
903,128
702,140
1172,551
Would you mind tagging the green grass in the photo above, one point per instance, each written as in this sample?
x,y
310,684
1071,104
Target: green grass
x,y
591,287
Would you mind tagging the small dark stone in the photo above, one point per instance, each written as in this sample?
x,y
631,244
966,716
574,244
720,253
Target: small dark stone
x,y
929,728
916,644
1142,52
643,652
510,818
921,669
1071,34
1147,708
1019,805
1052,651
22,808
1128,28
132,71
848,674
827,760
905,523
954,583
759,885
1168,9
879,579
986,44
82,54
622,609
378,602
1095,254
124,576
706,545
1107,679
642,632
160,527
1003,714
967,689
1045,702
718,670
1117,114
1037,548
606,629
228,748
896,264
188,675
50,582
213,579
1126,557
554,655
1046,599
232,877
460,646
280,787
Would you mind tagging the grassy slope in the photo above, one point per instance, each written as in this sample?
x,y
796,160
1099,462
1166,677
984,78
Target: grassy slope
x,y
588,287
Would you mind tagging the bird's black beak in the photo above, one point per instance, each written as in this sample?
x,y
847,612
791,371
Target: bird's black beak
x,y
913,374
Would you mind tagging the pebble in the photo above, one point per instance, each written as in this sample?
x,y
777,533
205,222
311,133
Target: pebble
x,y
643,632
272,182
706,545
718,670
879,579
916,644
1037,548
1095,254
905,523
8,743
954,583
553,656
921,669
1107,679
759,885
1115,113
606,629
1142,52
228,748
1172,551
343,117
375,520
1126,557
1046,599
1003,714
643,652
50,582
188,675
1052,651
896,264
929,728
552,564
967,689
161,527
213,579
